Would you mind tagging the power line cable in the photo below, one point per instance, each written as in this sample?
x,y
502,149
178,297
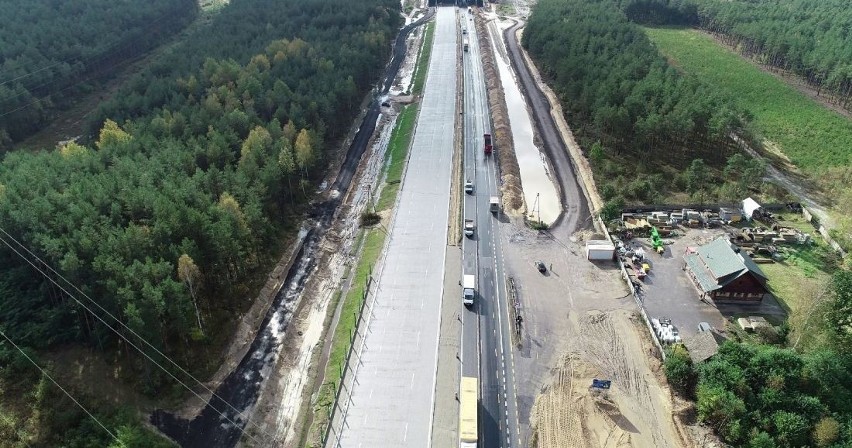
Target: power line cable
x,y
181,369
86,61
82,80
27,75
207,402
126,42
43,372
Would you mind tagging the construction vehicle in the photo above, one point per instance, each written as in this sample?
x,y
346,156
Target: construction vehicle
x,y
656,241
468,409
469,227
468,289
488,146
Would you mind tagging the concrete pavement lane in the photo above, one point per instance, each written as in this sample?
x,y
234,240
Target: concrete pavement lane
x,y
393,393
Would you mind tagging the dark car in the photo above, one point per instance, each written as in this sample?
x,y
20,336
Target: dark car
x,y
540,266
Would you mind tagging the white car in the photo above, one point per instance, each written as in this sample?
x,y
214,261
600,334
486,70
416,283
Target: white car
x,y
468,187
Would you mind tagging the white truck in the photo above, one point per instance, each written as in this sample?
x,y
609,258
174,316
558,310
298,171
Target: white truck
x,y
469,227
494,204
469,289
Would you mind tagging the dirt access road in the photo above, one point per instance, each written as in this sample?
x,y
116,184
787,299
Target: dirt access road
x,y
579,319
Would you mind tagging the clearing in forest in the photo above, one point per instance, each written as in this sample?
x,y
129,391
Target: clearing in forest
x,y
814,138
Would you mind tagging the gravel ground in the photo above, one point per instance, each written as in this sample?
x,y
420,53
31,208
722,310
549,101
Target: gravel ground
x,y
579,324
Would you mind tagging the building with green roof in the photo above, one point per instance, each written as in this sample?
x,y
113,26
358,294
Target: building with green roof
x,y
725,274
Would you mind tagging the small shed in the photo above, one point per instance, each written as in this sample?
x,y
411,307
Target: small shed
x,y
702,346
751,208
598,250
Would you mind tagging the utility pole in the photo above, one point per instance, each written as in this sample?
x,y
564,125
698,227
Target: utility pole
x,y
539,208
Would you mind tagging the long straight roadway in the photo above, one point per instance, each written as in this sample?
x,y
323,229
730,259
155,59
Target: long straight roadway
x,y
486,338
392,396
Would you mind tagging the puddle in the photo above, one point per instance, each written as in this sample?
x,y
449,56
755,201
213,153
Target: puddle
x,y
540,193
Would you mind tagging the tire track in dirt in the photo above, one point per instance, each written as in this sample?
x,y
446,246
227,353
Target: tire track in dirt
x,y
634,413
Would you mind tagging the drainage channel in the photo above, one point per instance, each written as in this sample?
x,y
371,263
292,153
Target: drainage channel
x,y
219,424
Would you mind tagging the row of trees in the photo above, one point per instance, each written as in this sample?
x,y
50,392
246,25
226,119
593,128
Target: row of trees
x,y
809,38
50,51
183,193
623,98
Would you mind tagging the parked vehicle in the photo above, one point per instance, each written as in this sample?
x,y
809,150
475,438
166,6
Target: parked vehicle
x,y
540,266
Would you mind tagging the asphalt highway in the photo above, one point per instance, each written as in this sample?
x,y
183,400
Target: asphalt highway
x,y
486,337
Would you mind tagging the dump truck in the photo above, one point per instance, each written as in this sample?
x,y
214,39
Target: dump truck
x,y
488,146
494,204
469,227
468,289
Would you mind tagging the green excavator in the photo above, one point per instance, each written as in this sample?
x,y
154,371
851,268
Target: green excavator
x,y
656,241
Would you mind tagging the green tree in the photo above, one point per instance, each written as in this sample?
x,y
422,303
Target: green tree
x,y
826,432
190,275
697,176
680,371
791,430
722,410
839,317
761,440
286,163
305,151
612,208
112,136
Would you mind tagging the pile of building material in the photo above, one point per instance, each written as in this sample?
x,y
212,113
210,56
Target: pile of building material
x,y
665,331
752,323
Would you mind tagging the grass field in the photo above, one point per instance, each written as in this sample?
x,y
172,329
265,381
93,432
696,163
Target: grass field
x,y
396,155
423,60
813,137
798,281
